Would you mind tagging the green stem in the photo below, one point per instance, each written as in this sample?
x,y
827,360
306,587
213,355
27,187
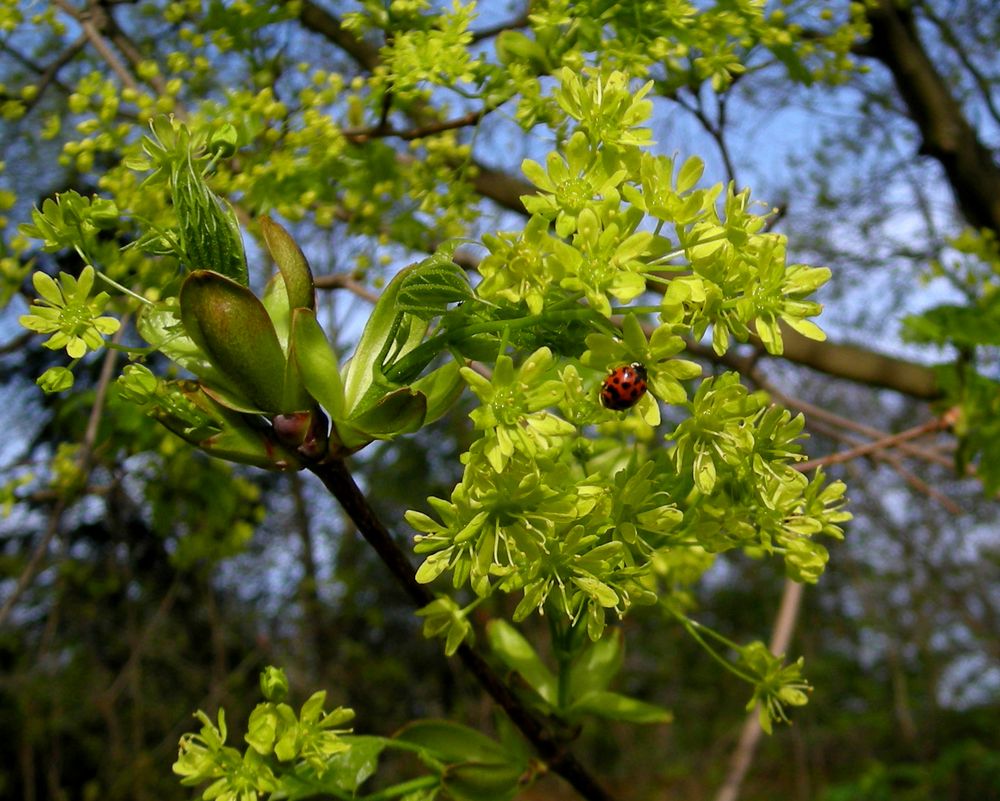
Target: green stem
x,y
131,349
560,638
390,339
635,310
123,290
403,788
694,628
423,353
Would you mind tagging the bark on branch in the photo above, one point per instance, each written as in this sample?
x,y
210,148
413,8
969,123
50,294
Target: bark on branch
x,y
945,132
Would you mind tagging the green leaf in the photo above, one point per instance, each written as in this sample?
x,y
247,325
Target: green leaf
x,y
963,326
287,255
596,666
427,290
516,652
452,742
351,768
807,328
223,433
704,471
207,227
690,174
383,330
442,387
275,300
233,329
316,362
313,707
514,47
262,729
494,781
399,412
161,327
615,706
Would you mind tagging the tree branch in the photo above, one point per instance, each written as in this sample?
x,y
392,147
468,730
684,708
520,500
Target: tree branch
x,y
949,38
48,75
931,426
339,481
784,626
319,20
83,461
361,135
93,20
947,135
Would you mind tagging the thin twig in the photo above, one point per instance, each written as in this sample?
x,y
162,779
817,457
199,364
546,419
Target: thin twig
x,y
33,566
931,426
813,412
92,21
128,48
382,130
495,30
920,485
47,74
341,281
84,455
891,459
948,37
118,684
781,637
715,129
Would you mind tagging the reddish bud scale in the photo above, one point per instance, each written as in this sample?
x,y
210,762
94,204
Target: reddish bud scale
x,y
624,387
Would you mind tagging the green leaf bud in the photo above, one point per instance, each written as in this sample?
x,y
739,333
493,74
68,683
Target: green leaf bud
x,y
232,328
138,384
209,236
55,379
273,683
224,141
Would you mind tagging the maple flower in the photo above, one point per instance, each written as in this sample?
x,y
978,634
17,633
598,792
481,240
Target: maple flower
x,y
66,310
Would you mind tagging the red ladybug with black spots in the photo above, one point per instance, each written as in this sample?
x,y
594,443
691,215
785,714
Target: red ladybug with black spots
x,y
624,386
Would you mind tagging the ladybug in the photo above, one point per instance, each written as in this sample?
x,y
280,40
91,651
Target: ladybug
x,y
624,386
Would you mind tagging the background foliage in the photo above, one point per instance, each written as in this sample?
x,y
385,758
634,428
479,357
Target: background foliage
x,y
145,580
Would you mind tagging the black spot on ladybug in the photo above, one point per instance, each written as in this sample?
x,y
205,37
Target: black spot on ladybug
x,y
624,387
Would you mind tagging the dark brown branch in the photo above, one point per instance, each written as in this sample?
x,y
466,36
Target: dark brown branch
x,y
714,128
949,38
319,20
339,481
945,132
342,281
93,20
47,75
131,51
503,188
845,361
361,135
495,30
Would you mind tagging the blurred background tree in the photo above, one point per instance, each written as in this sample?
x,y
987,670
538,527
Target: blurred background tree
x,y
171,579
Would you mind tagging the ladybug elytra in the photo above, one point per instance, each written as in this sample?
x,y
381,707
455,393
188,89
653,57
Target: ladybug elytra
x,y
624,386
